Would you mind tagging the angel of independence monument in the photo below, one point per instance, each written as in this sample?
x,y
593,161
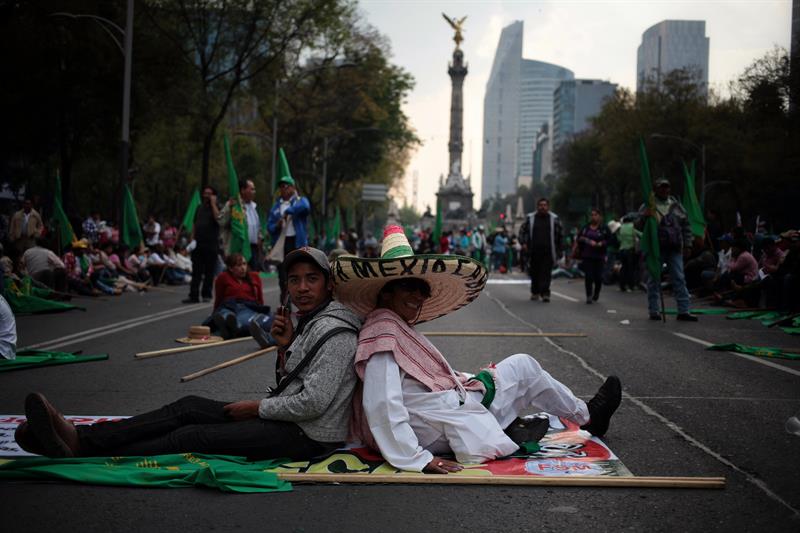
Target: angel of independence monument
x,y
455,194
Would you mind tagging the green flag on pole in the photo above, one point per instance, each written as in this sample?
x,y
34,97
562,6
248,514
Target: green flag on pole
x,y
437,226
284,174
240,242
188,218
695,213
131,231
649,242
333,238
65,232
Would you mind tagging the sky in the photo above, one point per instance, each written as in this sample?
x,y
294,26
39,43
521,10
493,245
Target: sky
x,y
595,39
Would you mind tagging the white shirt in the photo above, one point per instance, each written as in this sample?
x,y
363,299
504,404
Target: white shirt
x,y
8,331
253,222
286,204
155,229
410,423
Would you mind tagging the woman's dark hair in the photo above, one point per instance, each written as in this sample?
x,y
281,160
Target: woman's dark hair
x,y
213,190
233,260
408,284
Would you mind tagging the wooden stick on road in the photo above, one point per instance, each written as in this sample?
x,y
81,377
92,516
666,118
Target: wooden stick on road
x,y
226,364
461,479
497,334
168,351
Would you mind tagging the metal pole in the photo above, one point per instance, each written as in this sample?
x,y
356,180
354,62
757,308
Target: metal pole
x,y
325,180
703,176
274,140
126,104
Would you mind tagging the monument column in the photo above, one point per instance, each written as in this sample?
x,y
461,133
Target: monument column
x,y
457,71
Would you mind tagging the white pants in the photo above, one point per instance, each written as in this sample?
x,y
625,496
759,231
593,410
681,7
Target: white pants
x,y
524,386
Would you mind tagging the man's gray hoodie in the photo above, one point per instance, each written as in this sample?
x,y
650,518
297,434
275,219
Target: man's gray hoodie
x,y
319,399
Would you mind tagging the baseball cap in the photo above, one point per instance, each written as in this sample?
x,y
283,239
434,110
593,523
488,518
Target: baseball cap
x,y
317,257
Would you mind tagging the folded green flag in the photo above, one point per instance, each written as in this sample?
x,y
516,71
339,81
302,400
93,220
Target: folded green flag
x,y
25,299
695,311
760,351
224,472
792,330
191,211
36,358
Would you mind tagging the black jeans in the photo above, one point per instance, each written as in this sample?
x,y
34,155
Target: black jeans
x,y
204,263
593,270
627,276
540,270
200,425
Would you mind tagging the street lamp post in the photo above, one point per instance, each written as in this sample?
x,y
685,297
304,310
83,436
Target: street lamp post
x,y
126,49
702,149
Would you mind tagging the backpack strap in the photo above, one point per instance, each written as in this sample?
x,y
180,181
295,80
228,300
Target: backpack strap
x,y
291,376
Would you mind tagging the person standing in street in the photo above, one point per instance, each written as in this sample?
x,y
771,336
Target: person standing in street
x,y
247,195
541,237
26,226
479,244
205,234
628,237
674,241
592,243
289,217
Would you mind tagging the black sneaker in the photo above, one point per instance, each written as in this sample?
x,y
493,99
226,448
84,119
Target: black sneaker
x,y
686,317
262,337
233,325
655,316
546,299
524,430
603,405
589,300
222,326
190,301
206,299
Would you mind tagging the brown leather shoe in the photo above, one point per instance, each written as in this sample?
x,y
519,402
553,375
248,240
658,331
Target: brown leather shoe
x,y
57,436
26,440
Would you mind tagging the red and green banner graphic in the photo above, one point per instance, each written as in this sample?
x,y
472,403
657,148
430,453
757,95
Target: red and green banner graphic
x,y
565,450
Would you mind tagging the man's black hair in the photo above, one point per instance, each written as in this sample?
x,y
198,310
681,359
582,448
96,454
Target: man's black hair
x,y
243,184
213,190
542,199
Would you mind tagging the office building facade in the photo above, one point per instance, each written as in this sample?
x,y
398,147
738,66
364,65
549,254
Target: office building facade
x,y
575,102
671,45
518,100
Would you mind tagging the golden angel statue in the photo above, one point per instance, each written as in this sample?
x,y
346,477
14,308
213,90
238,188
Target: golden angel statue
x,y
457,25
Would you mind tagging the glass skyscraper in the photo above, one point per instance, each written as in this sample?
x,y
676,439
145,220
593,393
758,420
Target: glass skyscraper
x,y
671,45
518,100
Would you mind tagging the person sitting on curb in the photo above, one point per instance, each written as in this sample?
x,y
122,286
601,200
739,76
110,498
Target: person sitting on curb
x,y
413,406
306,415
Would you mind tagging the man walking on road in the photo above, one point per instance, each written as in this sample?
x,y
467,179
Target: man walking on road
x,y
541,237
205,234
675,243
305,416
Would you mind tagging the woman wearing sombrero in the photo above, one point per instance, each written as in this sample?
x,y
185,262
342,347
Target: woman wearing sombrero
x,y
413,406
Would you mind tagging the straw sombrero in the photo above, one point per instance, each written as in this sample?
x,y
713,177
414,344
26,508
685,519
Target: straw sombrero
x,y
455,280
199,335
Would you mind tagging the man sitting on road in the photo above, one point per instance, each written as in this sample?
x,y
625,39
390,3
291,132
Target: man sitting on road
x,y
305,416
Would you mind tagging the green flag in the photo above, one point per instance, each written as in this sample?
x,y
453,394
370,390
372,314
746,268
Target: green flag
x,y
131,231
437,226
649,242
188,218
65,233
336,229
696,220
240,241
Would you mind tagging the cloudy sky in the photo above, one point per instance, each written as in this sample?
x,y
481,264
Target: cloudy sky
x,y
595,39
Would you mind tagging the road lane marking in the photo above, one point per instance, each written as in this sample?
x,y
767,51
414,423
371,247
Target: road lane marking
x,y
743,356
664,420
110,326
119,326
564,296
492,281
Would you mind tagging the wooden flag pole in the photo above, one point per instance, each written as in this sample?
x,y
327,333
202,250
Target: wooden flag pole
x,y
226,364
168,351
553,481
497,334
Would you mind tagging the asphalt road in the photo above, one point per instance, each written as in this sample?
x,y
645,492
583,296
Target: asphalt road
x,y
686,412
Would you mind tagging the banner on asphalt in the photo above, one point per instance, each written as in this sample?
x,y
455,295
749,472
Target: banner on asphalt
x,y
565,450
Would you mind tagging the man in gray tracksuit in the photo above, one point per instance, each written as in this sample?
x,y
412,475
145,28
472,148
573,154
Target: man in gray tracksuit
x,y
305,416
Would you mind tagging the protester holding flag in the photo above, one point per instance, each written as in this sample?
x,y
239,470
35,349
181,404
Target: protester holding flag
x,y
674,242
204,227
288,218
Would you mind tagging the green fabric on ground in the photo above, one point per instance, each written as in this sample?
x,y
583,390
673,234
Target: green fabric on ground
x,y
25,298
37,358
709,311
742,315
760,351
486,377
223,472
791,331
